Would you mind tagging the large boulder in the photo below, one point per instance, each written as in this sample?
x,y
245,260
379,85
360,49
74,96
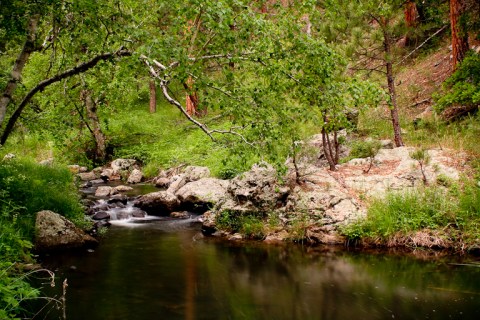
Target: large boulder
x,y
194,173
109,174
161,182
119,165
135,176
54,232
189,174
258,187
202,193
158,203
176,182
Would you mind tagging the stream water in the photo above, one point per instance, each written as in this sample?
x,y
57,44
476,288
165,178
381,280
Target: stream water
x,y
164,268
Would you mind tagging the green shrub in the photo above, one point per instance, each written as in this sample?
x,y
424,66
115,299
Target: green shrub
x,y
463,86
365,149
13,290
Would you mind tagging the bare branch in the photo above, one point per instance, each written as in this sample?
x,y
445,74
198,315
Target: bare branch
x,y
423,43
163,85
171,100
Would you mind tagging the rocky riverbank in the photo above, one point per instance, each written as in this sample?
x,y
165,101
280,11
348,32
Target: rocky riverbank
x,y
314,210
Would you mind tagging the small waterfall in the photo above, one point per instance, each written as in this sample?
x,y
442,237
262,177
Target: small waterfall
x,y
119,210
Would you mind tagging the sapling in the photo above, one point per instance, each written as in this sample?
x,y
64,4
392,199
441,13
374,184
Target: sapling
x,y
423,158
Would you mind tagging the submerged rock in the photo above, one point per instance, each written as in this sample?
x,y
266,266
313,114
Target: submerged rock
x,y
54,232
101,215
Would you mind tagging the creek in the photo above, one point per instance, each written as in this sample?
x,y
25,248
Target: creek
x,y
165,269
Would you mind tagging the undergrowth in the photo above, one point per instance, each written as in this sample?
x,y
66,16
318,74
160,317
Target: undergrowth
x,y
27,188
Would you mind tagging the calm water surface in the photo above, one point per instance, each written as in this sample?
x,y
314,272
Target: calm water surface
x,y
165,270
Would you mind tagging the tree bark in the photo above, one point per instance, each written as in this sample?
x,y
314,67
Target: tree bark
x,y
153,97
459,36
45,83
411,14
98,135
16,74
387,46
191,99
327,150
411,18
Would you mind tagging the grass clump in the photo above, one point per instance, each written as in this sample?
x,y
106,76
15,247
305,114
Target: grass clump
x,y
365,149
453,211
251,225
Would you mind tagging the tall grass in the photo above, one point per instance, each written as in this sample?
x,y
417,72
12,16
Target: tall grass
x,y
431,208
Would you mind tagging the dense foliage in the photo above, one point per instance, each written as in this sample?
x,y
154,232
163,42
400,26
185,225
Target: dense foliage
x,y
462,88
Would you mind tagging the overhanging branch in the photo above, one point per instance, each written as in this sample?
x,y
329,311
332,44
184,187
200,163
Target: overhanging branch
x,y
83,67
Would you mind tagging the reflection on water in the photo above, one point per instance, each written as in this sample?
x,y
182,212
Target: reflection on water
x,y
164,270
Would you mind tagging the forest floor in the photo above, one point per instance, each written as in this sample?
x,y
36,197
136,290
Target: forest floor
x,y
420,78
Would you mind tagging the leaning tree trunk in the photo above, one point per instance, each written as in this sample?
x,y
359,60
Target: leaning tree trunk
x,y
91,107
459,35
153,97
387,46
16,74
83,67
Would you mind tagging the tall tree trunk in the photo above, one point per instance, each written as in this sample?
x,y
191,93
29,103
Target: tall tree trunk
x,y
387,46
91,107
153,97
16,75
411,18
459,35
